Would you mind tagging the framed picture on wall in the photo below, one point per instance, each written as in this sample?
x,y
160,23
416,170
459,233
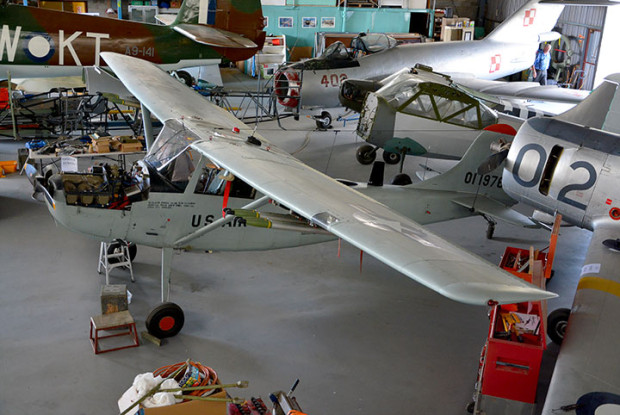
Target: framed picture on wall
x,y
308,22
266,21
284,22
328,22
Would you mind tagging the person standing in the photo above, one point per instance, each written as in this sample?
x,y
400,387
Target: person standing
x,y
541,64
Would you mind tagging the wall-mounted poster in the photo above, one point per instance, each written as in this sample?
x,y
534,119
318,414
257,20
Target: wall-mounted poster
x,y
285,22
308,22
328,22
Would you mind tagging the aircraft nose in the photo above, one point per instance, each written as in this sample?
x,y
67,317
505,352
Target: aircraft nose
x,y
287,87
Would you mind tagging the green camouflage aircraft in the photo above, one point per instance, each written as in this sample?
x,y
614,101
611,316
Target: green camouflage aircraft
x,y
37,42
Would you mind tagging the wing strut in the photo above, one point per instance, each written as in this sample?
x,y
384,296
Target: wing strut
x,y
220,222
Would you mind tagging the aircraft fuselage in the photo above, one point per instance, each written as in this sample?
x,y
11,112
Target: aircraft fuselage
x,y
483,59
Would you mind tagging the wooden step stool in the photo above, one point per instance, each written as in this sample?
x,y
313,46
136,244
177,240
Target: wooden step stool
x,y
113,321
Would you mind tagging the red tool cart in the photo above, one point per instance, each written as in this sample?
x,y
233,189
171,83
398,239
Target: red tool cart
x,y
510,360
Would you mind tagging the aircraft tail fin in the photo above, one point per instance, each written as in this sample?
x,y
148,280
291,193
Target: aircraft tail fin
x,y
231,24
464,176
601,109
532,23
480,193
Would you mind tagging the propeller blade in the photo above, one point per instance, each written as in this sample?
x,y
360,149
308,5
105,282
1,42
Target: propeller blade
x,y
492,162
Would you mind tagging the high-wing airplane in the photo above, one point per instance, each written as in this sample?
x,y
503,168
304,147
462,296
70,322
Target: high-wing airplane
x,y
417,112
246,194
570,164
313,85
37,42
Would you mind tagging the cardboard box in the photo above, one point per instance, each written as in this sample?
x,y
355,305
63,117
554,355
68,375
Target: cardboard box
x,y
183,408
130,147
101,144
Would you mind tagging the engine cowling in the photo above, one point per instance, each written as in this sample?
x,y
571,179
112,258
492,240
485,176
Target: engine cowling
x,y
287,87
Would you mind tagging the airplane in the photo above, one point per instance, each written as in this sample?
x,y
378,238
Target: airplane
x,y
419,112
37,42
570,164
237,199
312,86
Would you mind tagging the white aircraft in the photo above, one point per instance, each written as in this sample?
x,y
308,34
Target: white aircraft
x,y
238,173
570,164
313,85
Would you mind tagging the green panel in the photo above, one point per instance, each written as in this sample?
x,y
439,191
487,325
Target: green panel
x,y
310,2
357,20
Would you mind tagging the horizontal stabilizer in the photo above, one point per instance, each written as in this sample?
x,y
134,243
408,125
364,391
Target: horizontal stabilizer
x,y
524,90
494,209
166,19
215,37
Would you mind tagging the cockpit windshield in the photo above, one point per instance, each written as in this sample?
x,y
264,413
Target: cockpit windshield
x,y
372,43
336,51
436,100
171,142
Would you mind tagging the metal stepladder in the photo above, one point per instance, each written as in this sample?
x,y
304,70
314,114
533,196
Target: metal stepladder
x,y
112,255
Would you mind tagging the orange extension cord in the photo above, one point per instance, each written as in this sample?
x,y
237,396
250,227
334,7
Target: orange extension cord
x,y
210,377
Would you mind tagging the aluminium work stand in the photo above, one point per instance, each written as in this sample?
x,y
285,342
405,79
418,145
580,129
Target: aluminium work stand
x,y
117,259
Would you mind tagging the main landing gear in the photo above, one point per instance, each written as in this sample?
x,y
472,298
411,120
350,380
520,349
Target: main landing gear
x,y
167,319
324,121
367,154
557,322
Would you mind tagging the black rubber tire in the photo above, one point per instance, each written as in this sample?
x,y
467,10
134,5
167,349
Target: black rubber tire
x,y
391,158
186,78
401,179
325,121
366,154
470,407
490,231
166,320
557,322
115,246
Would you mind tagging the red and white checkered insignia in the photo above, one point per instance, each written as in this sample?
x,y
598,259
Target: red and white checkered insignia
x,y
608,202
496,62
528,19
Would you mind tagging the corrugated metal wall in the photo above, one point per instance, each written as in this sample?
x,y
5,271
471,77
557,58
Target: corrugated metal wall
x,y
581,26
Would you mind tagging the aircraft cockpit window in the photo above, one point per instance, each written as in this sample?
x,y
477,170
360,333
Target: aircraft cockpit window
x,y
441,103
335,56
213,181
336,51
169,144
372,43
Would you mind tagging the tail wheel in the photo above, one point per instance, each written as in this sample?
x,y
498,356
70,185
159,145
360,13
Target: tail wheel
x,y
366,154
557,323
166,320
115,247
391,158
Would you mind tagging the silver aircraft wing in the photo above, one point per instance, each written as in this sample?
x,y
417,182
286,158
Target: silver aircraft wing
x,y
586,369
524,90
364,222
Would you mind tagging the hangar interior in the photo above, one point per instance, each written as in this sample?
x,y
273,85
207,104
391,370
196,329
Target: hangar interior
x,y
358,335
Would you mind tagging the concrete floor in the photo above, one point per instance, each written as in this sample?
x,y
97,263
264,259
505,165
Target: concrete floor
x,y
366,343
